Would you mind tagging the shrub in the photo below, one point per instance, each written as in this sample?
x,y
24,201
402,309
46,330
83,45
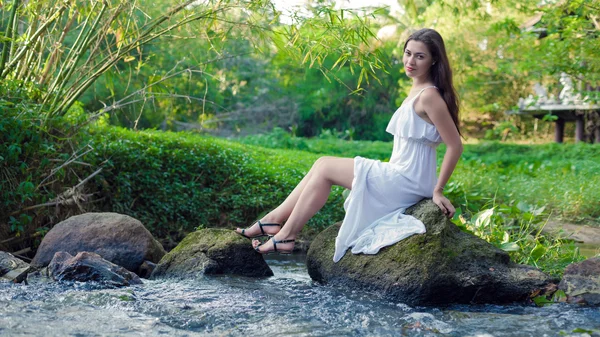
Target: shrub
x,y
32,162
176,182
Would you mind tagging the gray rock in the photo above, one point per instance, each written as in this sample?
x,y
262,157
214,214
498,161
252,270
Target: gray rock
x,y
118,238
86,266
212,251
581,282
12,269
443,266
146,269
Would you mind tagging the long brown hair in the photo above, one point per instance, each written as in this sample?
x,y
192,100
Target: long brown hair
x,y
441,74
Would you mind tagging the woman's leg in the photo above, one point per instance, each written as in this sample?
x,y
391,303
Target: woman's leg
x,y
310,196
284,210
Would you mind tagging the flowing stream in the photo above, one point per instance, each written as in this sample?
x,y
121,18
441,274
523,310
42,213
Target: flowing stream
x,y
287,304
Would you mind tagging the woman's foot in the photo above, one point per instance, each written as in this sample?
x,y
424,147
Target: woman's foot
x,y
259,229
274,245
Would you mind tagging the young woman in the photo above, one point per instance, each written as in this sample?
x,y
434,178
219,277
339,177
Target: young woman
x,y
381,192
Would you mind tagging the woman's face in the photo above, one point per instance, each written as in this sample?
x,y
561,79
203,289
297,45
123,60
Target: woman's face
x,y
417,59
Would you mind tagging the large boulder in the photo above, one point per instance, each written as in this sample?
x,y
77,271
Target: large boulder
x,y
212,251
12,269
118,238
581,282
443,266
86,266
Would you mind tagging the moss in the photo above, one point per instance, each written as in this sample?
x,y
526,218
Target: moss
x,y
212,251
205,239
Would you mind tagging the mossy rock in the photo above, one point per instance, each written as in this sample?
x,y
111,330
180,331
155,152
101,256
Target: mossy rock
x,y
443,266
212,251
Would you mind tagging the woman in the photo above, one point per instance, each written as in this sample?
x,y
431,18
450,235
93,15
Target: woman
x,y
381,192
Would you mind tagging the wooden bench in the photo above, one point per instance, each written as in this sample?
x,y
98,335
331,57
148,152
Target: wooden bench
x,y
564,114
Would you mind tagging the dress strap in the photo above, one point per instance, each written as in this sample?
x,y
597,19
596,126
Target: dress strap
x,y
418,94
420,91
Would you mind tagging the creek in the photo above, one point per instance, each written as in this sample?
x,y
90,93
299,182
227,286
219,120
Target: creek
x,y
287,304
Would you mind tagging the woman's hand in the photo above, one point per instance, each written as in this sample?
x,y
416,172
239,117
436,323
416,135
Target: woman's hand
x,y
443,203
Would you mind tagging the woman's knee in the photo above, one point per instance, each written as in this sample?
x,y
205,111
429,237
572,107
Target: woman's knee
x,y
320,162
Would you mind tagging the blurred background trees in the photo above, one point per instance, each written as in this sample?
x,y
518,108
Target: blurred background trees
x,y
233,68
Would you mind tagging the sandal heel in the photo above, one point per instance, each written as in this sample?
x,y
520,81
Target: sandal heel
x,y
262,231
275,250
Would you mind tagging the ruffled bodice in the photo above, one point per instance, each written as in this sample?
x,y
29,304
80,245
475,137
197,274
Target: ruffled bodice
x,y
406,126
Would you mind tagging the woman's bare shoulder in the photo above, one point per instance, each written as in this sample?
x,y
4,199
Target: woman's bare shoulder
x,y
431,94
431,100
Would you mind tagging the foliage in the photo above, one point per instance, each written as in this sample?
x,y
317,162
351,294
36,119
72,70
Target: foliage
x,y
35,162
175,182
68,45
238,67
504,47
517,229
302,75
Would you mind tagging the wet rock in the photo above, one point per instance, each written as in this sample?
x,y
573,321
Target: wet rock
x,y
86,266
12,269
118,238
581,282
212,251
146,269
443,266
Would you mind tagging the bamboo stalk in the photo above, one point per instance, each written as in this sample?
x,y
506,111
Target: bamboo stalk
x,y
99,39
55,55
9,34
58,76
14,59
71,64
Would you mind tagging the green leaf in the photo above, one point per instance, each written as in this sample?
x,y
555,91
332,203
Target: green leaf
x,y
484,218
538,251
541,301
510,247
559,296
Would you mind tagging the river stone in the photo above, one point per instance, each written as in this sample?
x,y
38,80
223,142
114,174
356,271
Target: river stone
x,y
86,266
581,282
443,266
212,251
12,269
118,238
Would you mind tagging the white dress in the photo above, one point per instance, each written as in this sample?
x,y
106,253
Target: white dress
x,y
381,192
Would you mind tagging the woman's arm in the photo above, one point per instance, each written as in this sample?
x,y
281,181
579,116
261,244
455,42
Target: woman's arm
x,y
437,111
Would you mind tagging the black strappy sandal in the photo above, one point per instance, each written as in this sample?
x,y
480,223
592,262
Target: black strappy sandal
x,y
275,250
262,231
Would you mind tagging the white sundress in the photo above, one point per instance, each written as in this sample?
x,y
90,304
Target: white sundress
x,y
381,192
